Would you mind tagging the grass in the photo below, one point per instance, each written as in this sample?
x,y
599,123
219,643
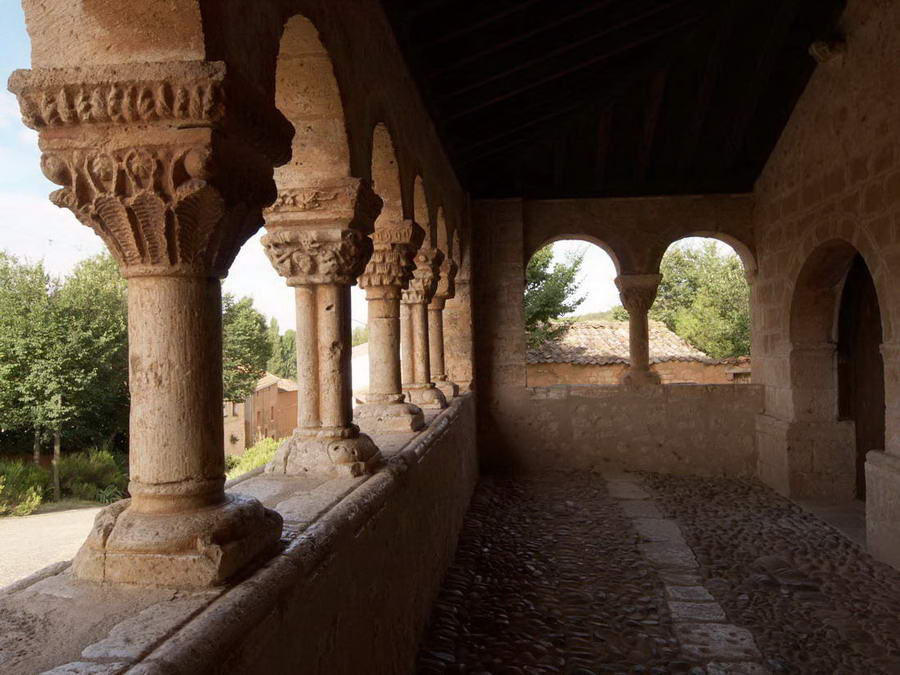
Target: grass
x,y
253,457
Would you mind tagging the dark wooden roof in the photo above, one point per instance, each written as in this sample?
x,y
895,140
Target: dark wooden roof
x,y
572,98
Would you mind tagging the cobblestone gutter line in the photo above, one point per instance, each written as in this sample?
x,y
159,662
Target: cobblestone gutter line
x,y
701,625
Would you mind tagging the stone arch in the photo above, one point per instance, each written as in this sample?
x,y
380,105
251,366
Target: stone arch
x,y
814,369
579,237
743,251
386,174
442,234
421,208
307,93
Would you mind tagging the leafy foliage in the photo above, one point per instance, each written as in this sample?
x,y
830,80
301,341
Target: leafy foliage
x,y
359,336
63,350
550,294
95,475
283,361
246,348
617,313
704,298
253,457
22,487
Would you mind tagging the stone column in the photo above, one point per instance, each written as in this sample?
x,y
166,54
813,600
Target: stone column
x,y
637,292
445,291
318,241
417,296
151,158
385,277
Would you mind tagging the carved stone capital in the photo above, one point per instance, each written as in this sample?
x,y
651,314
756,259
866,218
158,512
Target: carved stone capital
x,y
343,203
318,233
446,285
392,262
162,210
170,163
178,94
325,256
638,291
425,277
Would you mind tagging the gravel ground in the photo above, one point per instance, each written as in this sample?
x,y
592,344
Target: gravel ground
x,y
548,578
30,543
815,602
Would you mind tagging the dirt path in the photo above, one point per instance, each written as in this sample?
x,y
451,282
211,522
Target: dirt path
x,y
30,543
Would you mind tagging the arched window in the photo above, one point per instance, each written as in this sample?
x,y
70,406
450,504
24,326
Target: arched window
x,y
700,320
574,334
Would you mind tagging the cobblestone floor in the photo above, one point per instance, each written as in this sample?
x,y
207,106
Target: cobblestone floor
x,y
580,574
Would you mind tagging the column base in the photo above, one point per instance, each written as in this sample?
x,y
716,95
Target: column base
x,y
883,506
389,416
639,378
449,389
326,452
191,549
425,396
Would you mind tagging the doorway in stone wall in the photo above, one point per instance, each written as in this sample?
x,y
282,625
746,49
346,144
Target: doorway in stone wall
x,y
860,366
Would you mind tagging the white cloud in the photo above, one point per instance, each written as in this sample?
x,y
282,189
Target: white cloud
x,y
33,228
597,275
253,275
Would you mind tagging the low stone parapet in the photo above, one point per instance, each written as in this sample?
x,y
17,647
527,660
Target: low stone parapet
x,y
362,561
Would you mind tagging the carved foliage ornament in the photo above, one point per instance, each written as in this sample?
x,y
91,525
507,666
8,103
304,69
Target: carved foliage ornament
x,y
154,207
425,277
446,287
392,261
308,257
121,102
350,202
638,291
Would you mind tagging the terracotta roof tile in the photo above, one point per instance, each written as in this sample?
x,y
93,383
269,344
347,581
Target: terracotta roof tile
x,y
606,342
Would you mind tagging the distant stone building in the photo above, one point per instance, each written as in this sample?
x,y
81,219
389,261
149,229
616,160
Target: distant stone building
x,y
269,412
596,352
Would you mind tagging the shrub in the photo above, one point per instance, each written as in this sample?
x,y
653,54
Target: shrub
x,y
22,487
94,475
253,457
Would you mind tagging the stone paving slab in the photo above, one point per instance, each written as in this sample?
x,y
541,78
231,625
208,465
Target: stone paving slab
x,y
696,611
658,529
671,555
642,508
689,593
626,489
716,641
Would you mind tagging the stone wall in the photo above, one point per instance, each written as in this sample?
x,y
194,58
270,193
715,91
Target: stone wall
x,y
679,428
689,429
831,188
670,372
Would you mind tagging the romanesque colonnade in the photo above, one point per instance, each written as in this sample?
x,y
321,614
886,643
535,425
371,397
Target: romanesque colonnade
x,y
166,149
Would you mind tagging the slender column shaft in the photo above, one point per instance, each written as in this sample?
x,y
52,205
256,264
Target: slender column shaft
x,y
436,342
639,340
335,385
307,361
420,356
384,345
407,339
175,354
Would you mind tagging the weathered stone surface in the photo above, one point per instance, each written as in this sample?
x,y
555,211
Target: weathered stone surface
x,y
704,641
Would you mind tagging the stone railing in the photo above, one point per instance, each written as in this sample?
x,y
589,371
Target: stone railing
x,y
362,560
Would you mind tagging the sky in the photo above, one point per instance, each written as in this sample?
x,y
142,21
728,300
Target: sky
x,y
32,228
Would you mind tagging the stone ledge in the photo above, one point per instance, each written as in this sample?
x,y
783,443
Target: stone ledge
x,y
194,632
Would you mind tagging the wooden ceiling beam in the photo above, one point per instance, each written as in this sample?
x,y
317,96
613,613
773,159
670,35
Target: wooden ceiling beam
x,y
560,51
634,44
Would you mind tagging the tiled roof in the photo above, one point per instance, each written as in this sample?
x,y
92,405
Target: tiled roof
x,y
269,379
606,342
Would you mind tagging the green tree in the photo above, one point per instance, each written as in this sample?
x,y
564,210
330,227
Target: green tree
x,y
283,361
550,293
360,335
63,353
246,348
704,298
